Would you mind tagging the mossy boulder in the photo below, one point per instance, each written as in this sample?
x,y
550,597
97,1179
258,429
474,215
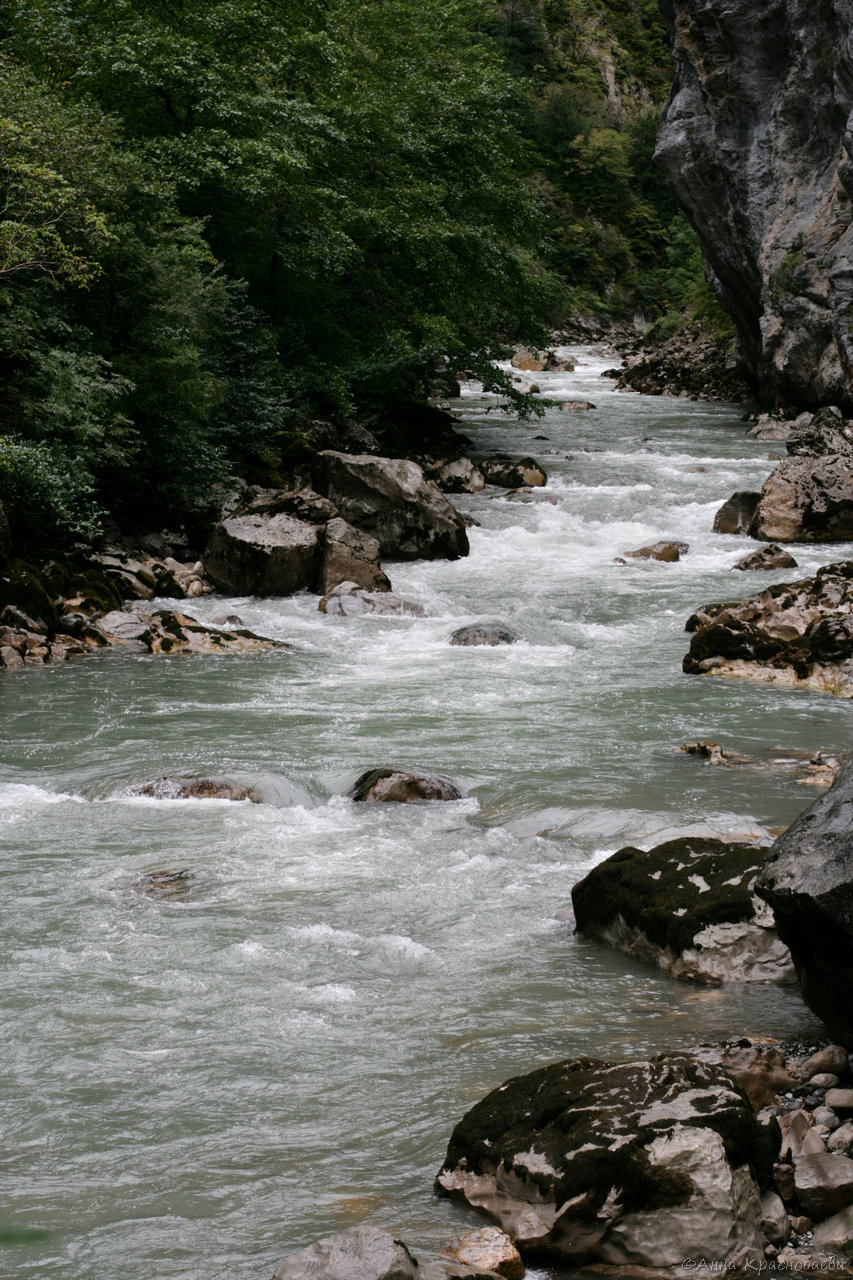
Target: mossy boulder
x,y
395,787
687,906
21,587
641,1162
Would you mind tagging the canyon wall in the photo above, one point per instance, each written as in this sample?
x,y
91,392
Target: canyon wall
x,y
757,143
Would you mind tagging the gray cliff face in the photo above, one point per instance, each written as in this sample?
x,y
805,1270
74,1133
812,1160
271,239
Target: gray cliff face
x,y
757,144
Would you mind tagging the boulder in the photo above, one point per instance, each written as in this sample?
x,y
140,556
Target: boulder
x,y
350,555
808,882
759,1066
513,475
176,788
392,786
824,434
737,513
347,600
688,907
576,406
488,1248
824,1184
836,1234
807,499
303,504
769,428
642,1163
459,476
483,633
831,1058
765,558
350,437
529,361
391,499
264,555
369,1253
169,632
22,587
667,551
167,884
797,634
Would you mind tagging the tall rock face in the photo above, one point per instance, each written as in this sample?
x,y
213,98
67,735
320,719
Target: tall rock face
x,y
757,144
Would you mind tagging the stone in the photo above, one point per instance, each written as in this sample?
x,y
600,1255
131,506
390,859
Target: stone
x,y
350,555
483,633
758,1066
133,629
687,906
783,1180
576,406
824,1080
360,1253
10,658
303,504
512,474
824,1184
756,144
840,1099
641,1163
176,788
347,600
841,1139
769,428
806,499
263,555
774,1219
459,476
827,1118
832,1057
489,1248
391,499
770,557
836,1234
392,786
821,435
529,361
737,513
808,883
797,634
667,551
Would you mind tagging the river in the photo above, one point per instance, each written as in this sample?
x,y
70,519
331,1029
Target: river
x,y
193,1087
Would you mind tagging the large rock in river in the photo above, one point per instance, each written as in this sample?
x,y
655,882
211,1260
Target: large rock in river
x,y
687,906
640,1163
796,634
393,786
808,881
264,555
391,499
350,555
756,142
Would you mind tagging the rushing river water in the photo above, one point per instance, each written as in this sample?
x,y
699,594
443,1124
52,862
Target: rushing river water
x,y
194,1087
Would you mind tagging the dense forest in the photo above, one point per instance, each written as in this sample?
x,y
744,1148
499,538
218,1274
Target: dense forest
x,y
225,218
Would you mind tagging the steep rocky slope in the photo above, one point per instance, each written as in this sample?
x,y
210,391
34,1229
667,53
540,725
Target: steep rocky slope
x,y
756,142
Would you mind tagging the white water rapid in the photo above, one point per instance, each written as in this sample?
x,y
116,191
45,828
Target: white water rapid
x,y
193,1087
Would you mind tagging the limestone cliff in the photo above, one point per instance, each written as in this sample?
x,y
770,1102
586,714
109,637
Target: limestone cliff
x,y
757,143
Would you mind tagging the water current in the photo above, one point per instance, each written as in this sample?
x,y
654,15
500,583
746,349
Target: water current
x,y
194,1087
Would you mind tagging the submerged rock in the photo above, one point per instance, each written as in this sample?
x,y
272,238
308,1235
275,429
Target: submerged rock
x,y
395,787
483,633
808,882
667,551
792,634
167,884
640,1163
175,788
393,501
767,558
512,474
688,907
347,600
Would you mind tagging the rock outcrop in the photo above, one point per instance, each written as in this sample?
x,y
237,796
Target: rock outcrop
x,y
393,501
642,1163
793,634
687,906
756,143
808,882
